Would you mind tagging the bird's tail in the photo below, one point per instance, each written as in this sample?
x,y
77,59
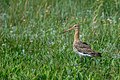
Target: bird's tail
x,y
98,54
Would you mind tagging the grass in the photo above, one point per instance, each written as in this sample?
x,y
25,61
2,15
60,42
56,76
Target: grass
x,y
31,47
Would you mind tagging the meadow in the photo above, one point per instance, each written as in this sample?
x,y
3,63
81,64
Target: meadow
x,y
32,48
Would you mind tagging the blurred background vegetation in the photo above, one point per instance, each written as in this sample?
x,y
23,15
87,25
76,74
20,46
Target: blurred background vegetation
x,y
32,48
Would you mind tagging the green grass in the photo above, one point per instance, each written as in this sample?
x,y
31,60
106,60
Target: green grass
x,y
31,47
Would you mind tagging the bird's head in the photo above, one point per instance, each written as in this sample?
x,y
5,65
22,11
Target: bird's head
x,y
75,27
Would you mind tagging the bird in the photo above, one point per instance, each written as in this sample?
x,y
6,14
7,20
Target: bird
x,y
79,47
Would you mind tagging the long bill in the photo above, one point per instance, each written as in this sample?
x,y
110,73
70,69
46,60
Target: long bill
x,y
68,30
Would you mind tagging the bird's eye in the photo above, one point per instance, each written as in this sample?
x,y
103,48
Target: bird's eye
x,y
75,26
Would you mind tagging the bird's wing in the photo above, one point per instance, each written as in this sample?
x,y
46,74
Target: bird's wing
x,y
83,45
85,49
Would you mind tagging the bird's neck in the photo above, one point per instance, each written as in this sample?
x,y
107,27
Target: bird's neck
x,y
76,36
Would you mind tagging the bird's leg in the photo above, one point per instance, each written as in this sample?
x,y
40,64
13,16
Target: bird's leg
x,y
81,59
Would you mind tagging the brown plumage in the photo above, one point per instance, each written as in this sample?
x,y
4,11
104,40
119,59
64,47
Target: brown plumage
x,y
80,47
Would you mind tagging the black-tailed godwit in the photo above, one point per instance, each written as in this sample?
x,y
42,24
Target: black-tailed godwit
x,y
81,48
